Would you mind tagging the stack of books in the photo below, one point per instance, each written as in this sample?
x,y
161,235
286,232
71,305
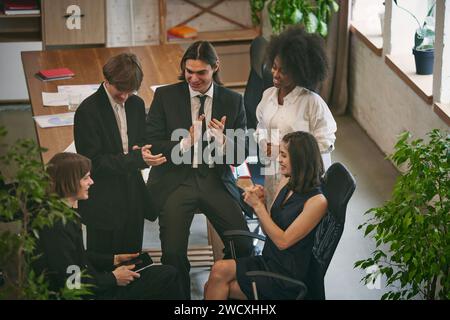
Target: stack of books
x,y
182,31
55,74
18,7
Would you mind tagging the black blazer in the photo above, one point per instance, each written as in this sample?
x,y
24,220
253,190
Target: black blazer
x,y
118,189
171,110
60,247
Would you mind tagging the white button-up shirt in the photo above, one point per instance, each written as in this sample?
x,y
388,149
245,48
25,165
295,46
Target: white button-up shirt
x,y
195,108
121,118
302,110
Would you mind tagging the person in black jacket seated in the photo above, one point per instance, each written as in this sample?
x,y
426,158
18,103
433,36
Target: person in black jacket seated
x,y
62,250
290,227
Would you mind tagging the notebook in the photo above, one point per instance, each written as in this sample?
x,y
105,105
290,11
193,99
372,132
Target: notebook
x,y
55,74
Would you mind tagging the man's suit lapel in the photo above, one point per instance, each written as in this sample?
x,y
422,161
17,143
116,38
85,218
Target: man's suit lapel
x,y
131,123
216,106
107,113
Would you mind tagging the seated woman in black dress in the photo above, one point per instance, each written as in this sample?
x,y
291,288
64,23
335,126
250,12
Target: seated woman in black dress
x,y
63,252
290,227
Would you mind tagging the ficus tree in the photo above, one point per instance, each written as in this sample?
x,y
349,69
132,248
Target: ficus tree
x,y
412,229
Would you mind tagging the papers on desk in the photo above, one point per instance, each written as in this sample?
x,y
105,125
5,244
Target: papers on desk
x,y
82,89
61,98
54,99
71,148
55,120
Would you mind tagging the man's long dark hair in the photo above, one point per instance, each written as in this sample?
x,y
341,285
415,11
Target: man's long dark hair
x,y
306,162
204,51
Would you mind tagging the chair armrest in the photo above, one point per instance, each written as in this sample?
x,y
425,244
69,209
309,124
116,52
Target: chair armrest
x,y
303,288
232,234
243,233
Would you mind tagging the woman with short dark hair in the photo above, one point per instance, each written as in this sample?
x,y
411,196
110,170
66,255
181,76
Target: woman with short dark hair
x,y
66,170
66,264
299,65
290,227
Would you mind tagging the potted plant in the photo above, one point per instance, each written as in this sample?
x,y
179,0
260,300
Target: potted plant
x,y
25,208
423,41
314,15
412,229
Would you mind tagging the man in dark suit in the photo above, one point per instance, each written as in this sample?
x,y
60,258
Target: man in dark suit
x,y
109,129
187,121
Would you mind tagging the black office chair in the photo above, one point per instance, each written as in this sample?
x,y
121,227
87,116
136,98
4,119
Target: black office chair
x,y
267,75
338,188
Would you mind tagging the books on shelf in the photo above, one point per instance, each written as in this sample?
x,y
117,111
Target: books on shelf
x,y
182,31
19,12
18,7
55,74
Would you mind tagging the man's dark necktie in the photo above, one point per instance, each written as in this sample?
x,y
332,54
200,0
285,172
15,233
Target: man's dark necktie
x,y
202,166
200,112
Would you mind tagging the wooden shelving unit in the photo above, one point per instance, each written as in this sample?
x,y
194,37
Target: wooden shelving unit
x,y
20,27
220,36
241,33
50,25
232,45
4,16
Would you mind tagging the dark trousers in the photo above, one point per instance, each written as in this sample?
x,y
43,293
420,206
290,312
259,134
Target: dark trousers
x,y
155,283
208,194
127,239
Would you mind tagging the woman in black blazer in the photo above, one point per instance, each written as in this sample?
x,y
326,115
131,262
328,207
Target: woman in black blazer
x,y
65,262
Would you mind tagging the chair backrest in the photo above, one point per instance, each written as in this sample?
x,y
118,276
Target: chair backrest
x,y
267,76
257,54
255,85
338,188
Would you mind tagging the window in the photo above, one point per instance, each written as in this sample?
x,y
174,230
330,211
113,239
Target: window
x,y
368,18
395,41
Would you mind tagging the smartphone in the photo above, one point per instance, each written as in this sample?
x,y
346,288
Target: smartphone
x,y
142,262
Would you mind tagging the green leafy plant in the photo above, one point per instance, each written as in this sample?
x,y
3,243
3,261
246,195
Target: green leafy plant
x,y
412,229
314,15
425,34
26,207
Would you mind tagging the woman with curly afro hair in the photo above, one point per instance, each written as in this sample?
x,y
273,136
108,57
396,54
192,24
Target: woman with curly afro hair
x,y
299,65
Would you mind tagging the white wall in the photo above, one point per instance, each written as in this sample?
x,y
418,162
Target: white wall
x,y
382,103
12,78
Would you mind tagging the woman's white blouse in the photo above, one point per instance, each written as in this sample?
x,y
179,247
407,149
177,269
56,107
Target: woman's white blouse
x,y
302,110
